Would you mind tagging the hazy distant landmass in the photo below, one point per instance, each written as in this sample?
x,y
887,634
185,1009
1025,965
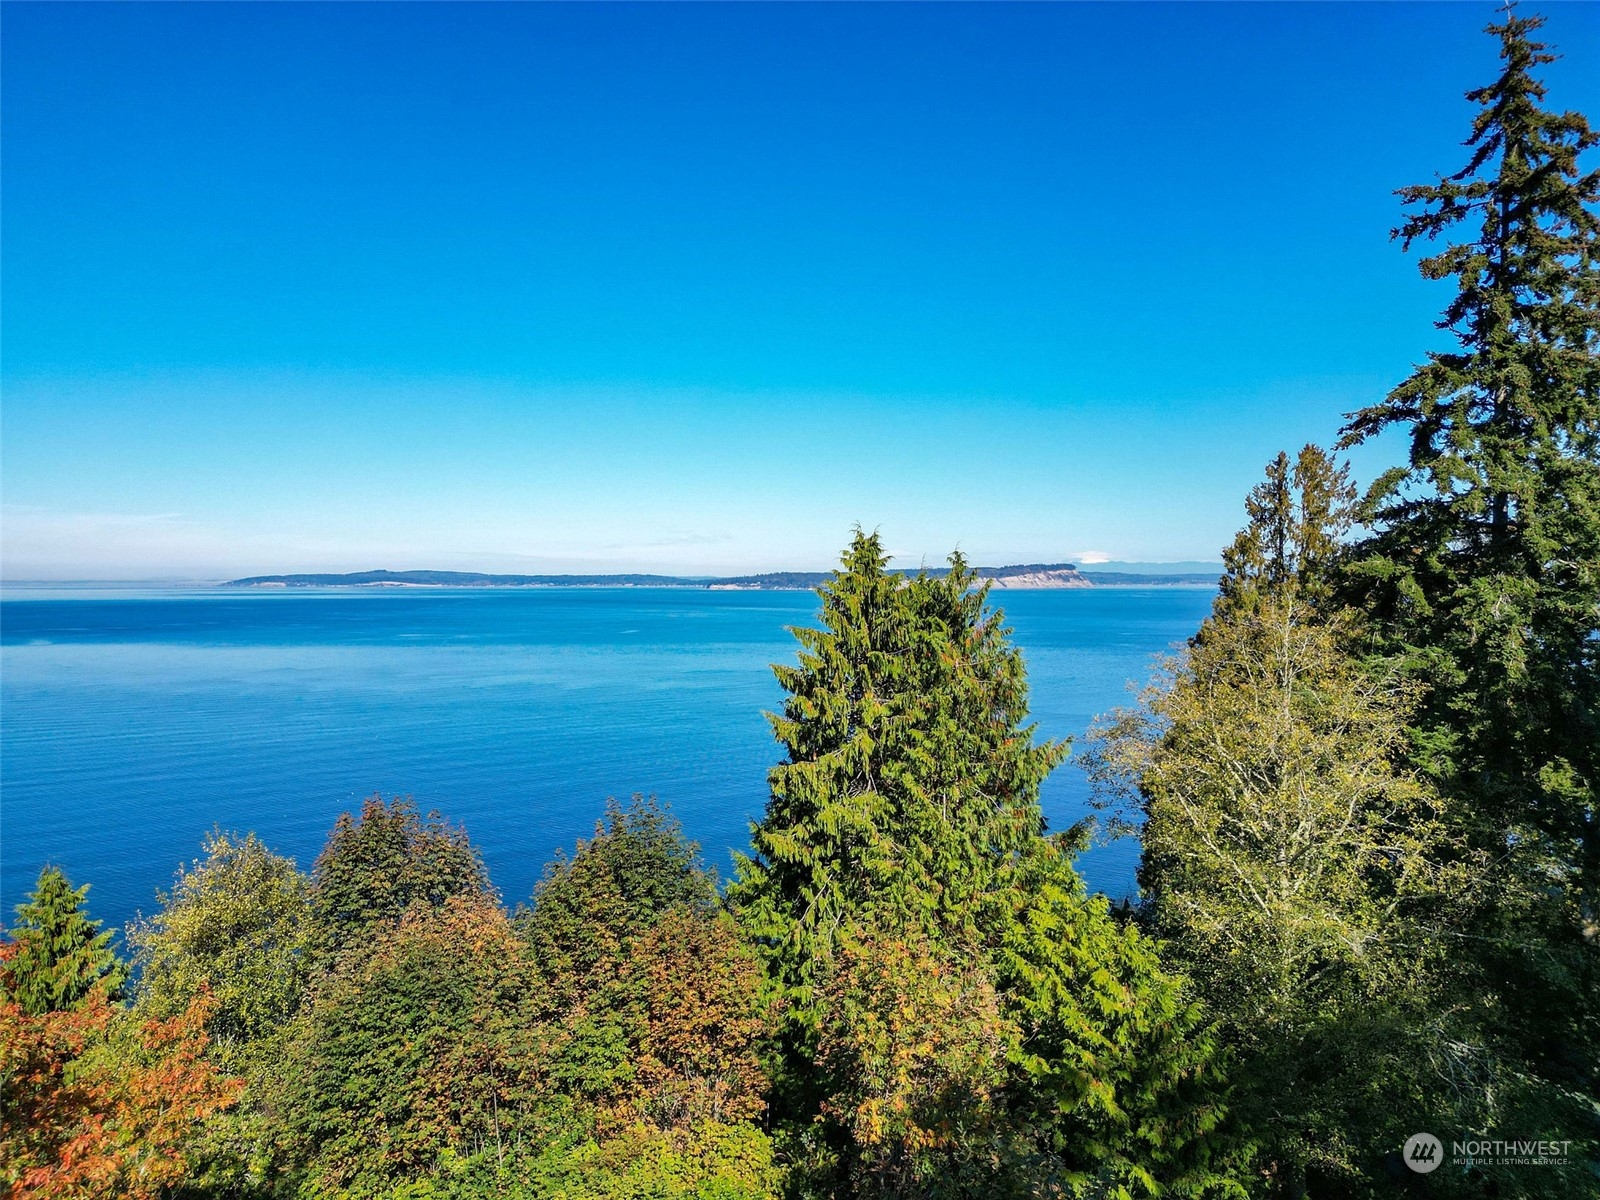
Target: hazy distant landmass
x,y
1028,575
1206,570
1098,578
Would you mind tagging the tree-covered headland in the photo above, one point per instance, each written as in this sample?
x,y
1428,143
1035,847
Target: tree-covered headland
x,y
1365,789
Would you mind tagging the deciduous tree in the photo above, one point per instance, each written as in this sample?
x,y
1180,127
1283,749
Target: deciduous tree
x,y
1298,871
236,925
912,1051
99,1104
421,1047
587,908
692,991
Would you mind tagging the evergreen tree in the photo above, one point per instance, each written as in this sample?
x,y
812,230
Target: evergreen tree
x,y
1484,563
373,869
61,955
1117,1083
654,1002
1299,517
910,780
962,1018
1482,566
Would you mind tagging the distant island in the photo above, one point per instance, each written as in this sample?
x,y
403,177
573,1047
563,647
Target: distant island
x,y
1029,575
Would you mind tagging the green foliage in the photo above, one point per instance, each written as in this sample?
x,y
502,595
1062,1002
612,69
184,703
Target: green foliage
x,y
373,869
1481,575
637,867
910,779
1293,868
1119,1087
1367,794
712,1162
1299,516
61,956
235,925
670,1043
235,929
1067,1061
421,1045
656,1003
1484,562
1483,566
909,910
604,1044
690,1000
912,1052
1317,889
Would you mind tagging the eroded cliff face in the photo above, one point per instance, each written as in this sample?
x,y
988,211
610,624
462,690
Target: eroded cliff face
x,y
1055,577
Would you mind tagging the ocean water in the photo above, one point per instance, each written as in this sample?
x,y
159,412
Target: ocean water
x,y
133,722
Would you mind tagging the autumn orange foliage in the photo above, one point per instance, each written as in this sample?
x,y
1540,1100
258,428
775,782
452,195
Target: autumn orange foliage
x,y
98,1103
913,1044
699,988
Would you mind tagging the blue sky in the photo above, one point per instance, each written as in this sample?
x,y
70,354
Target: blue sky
x,y
696,288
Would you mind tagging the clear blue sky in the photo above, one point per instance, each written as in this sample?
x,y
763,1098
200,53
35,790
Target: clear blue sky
x,y
539,287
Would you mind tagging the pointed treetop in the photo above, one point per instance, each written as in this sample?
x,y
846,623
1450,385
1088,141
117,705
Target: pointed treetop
x,y
61,956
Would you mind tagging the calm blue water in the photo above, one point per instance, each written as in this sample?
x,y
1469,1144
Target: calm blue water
x,y
131,723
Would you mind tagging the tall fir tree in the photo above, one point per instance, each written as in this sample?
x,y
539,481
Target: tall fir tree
x,y
61,954
910,778
1481,567
963,1020
1299,516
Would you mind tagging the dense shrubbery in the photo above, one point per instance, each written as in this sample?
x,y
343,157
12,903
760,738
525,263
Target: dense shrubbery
x,y
385,1028
1366,792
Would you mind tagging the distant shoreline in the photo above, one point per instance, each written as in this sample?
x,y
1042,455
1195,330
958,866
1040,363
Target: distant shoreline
x,y
1027,577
